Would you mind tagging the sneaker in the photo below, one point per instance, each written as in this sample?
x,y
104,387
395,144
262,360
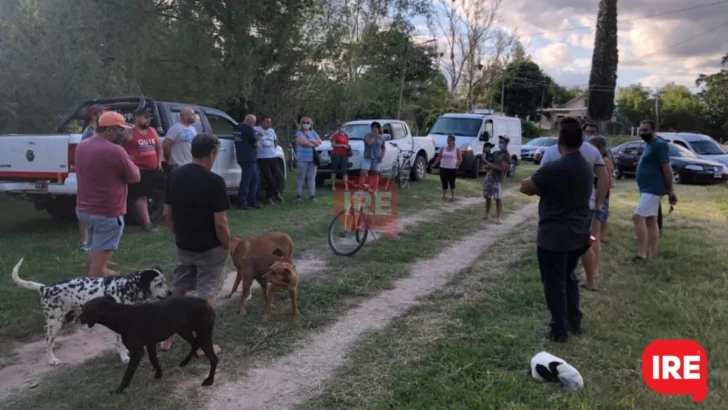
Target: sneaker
x,y
83,247
312,198
242,207
298,198
255,206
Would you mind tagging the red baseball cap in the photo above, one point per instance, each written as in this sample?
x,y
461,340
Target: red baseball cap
x,y
113,119
94,109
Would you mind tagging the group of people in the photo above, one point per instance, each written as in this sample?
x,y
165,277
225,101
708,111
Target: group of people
x,y
573,183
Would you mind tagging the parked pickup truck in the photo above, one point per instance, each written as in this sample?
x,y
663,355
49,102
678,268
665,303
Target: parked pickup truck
x,y
41,169
395,132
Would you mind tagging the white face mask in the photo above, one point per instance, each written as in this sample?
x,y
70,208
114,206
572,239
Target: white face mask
x,y
306,126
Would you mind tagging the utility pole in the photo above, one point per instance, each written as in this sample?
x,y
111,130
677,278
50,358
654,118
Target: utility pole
x,y
543,101
657,106
503,95
401,80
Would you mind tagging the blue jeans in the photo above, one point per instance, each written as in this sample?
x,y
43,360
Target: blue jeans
x,y
249,183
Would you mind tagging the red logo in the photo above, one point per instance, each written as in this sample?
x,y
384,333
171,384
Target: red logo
x,y
380,205
676,367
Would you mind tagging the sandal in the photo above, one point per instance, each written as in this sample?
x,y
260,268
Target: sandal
x,y
638,258
583,286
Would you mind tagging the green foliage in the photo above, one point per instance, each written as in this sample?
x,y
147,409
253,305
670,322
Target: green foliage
x,y
714,98
529,129
603,77
526,87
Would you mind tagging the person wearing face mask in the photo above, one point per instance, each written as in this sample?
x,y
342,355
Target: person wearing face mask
x,y
340,156
103,172
307,140
496,176
195,210
654,179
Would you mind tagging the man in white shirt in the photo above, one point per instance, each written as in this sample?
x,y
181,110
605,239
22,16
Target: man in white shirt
x,y
596,201
271,175
178,140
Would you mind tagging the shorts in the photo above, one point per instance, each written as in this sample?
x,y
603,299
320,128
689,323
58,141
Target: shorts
x,y
369,164
200,271
603,215
339,164
491,189
649,205
103,232
150,181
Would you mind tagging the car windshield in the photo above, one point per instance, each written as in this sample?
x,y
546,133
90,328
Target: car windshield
x,y
678,151
535,142
357,131
549,142
460,127
707,148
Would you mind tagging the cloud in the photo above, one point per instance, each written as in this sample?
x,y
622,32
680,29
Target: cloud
x,y
678,47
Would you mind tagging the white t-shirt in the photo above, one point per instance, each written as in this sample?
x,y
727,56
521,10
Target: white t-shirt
x,y
590,153
267,142
181,136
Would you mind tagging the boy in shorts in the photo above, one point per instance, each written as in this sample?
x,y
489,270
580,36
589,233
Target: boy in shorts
x,y
497,168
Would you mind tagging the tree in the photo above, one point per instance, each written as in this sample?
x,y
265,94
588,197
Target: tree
x,y
714,97
635,102
603,77
680,110
526,88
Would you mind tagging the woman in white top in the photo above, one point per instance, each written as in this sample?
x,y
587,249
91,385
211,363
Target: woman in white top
x,y
449,161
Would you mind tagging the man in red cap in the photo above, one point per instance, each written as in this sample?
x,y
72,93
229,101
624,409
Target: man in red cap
x,y
103,170
94,111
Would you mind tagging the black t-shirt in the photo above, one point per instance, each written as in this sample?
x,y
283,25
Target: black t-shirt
x,y
244,137
195,194
564,216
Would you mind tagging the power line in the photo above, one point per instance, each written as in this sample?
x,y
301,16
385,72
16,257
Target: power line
x,y
632,19
684,41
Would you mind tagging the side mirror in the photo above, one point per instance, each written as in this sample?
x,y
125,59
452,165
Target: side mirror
x,y
484,136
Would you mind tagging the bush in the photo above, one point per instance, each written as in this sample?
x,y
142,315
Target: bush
x,y
528,129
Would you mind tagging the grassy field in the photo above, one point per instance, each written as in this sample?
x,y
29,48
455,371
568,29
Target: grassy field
x,y
49,246
469,347
247,341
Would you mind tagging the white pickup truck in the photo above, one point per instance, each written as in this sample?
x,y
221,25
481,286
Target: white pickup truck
x,y
41,169
395,132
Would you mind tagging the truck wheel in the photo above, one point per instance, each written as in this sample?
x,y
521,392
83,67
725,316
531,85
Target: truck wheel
x,y
62,208
419,169
474,169
320,180
155,207
618,174
512,168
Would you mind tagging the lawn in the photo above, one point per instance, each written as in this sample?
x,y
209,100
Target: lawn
x,y
469,346
249,341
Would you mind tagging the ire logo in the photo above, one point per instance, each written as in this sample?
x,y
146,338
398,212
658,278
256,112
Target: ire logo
x,y
379,205
676,367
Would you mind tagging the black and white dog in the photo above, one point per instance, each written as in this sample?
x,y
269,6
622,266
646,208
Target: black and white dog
x,y
63,301
546,367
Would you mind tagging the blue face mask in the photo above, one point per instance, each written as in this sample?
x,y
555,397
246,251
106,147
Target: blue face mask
x,y
306,126
502,147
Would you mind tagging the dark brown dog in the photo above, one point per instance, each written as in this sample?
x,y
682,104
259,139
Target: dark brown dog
x,y
281,275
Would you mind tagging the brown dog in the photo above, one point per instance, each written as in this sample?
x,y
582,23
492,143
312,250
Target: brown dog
x,y
254,268
261,245
282,275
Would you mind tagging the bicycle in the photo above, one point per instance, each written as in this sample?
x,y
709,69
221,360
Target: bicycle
x,y
402,168
292,163
356,220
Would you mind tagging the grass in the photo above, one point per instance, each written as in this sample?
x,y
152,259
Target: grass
x,y
49,246
248,341
470,345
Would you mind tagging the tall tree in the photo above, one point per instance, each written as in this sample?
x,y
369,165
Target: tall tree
x,y
603,78
714,96
527,87
635,102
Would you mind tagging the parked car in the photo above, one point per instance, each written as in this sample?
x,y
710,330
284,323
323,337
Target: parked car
x,y
41,169
686,166
701,145
395,132
538,154
529,148
471,131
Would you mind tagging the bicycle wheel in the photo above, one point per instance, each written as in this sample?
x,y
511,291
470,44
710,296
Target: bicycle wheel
x,y
404,176
393,177
354,234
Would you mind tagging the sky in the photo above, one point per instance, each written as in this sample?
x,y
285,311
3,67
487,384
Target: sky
x,y
653,50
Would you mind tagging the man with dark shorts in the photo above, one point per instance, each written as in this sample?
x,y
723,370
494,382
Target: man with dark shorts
x,y
195,209
564,186
145,150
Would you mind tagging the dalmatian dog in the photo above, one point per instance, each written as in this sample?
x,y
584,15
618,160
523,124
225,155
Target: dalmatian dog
x,y
62,301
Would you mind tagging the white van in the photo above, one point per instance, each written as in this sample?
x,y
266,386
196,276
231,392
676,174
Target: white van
x,y
703,146
471,131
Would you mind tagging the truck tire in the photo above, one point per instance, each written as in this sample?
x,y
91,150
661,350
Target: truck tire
x,y
320,180
474,168
419,168
62,208
512,168
155,207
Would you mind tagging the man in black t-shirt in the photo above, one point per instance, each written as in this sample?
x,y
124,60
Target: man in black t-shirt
x,y
564,186
195,206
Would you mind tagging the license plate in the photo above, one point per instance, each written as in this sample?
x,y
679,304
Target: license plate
x,y
718,174
41,185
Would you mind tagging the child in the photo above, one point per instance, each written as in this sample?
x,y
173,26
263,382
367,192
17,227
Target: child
x,y
487,156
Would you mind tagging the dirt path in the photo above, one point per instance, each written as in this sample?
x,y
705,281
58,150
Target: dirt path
x,y
292,379
26,367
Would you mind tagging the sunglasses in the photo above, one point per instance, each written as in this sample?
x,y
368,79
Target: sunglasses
x,y
306,122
